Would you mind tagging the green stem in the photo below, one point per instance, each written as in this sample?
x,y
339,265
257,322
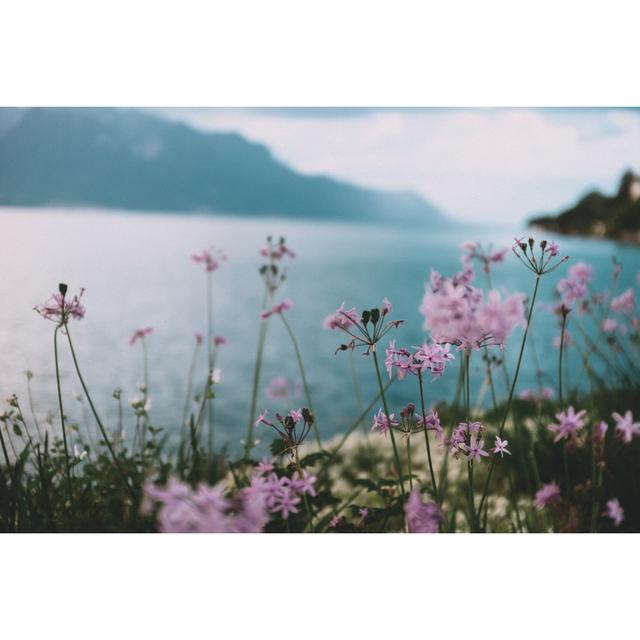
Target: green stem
x,y
513,387
467,404
386,412
426,435
303,376
560,358
210,352
248,445
64,428
409,464
96,416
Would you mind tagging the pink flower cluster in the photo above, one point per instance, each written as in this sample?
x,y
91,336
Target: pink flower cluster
x,y
626,428
432,358
457,313
140,334
624,303
282,495
210,258
547,494
532,396
573,289
422,517
341,319
61,309
276,251
205,510
381,424
280,308
475,251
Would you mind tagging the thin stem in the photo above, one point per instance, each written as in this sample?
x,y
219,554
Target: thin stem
x,y
409,461
426,435
192,368
248,445
303,376
4,450
211,357
64,428
95,414
33,413
386,412
513,387
467,395
560,358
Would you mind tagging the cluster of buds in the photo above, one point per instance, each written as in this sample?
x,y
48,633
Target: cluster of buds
x,y
366,330
292,428
272,274
545,262
60,309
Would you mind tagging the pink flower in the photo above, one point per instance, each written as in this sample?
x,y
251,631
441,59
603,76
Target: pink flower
x,y
475,450
431,423
199,338
61,309
552,249
341,319
219,340
381,424
548,494
501,447
624,303
386,307
569,424
278,388
609,325
304,483
614,511
281,307
335,521
456,313
529,394
626,428
422,517
265,466
364,512
600,431
210,258
262,419
140,334
296,415
276,252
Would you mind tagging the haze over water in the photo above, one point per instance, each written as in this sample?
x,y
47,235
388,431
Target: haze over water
x,y
137,271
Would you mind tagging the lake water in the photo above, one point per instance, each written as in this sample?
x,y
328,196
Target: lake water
x,y
137,272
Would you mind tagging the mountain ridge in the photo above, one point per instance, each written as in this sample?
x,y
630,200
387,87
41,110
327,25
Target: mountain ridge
x,y
127,159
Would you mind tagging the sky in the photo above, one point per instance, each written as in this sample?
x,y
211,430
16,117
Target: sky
x,y
476,165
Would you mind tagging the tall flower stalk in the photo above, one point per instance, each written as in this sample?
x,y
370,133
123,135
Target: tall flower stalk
x,y
539,265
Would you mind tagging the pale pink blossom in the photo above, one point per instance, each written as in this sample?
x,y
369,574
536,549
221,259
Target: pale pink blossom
x,y
211,258
626,428
569,424
61,309
381,424
548,494
615,512
624,303
280,308
341,319
140,334
501,447
422,517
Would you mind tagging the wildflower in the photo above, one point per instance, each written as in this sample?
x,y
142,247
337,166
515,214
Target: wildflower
x,y
381,424
433,358
219,340
288,427
529,394
422,517
216,376
501,447
279,387
60,309
304,483
600,431
475,251
542,263
626,428
370,327
280,308
273,273
364,512
341,319
431,422
475,450
79,452
211,258
457,313
265,466
276,251
199,338
548,494
624,303
614,511
569,424
140,334
609,325
335,521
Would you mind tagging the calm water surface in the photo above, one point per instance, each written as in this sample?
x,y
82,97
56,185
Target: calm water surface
x,y
136,270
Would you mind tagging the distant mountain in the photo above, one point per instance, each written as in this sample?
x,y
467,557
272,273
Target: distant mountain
x,y
127,159
598,215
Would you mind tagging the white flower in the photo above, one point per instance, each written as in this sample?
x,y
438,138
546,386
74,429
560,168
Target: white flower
x,y
216,375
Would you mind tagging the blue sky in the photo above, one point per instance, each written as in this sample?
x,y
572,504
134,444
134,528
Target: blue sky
x,y
475,164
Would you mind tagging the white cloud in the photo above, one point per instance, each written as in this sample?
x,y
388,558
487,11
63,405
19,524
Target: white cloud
x,y
474,164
